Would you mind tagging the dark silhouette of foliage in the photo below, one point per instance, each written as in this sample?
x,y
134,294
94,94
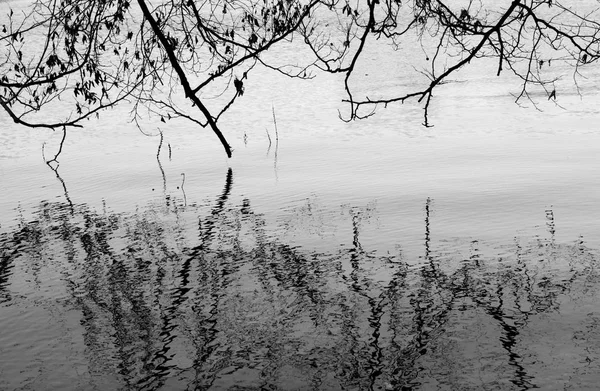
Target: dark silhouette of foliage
x,y
64,61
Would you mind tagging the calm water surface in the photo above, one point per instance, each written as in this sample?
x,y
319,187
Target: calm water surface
x,y
371,255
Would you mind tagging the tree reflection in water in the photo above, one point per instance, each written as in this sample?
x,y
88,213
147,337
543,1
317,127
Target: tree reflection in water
x,y
181,297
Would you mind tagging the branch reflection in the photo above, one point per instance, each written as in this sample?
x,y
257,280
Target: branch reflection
x,y
218,299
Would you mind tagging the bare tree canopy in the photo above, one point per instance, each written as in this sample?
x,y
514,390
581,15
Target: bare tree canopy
x,y
63,61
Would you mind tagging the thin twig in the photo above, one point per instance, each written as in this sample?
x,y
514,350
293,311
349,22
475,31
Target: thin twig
x,y
182,189
162,171
275,122
60,147
269,136
160,143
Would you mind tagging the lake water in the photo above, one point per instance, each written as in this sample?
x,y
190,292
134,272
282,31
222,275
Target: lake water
x,y
377,254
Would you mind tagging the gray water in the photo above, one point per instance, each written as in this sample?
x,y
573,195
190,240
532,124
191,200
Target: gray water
x,y
372,255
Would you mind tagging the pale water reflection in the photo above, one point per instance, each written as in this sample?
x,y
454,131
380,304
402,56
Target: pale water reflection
x,y
214,296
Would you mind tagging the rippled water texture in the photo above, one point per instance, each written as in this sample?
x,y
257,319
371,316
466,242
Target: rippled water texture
x,y
374,255
211,296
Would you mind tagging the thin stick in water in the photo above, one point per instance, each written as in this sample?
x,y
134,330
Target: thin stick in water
x,y
182,190
275,122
